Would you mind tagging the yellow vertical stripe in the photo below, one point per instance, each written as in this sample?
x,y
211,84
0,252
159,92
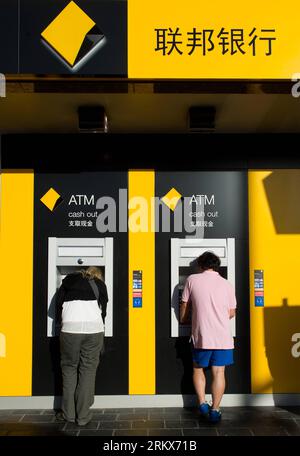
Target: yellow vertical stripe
x,y
273,367
142,257
261,381
16,273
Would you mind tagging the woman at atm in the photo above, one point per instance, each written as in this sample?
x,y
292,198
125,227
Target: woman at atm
x,y
81,309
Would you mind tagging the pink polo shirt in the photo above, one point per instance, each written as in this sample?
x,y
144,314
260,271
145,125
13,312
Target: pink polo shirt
x,y
211,297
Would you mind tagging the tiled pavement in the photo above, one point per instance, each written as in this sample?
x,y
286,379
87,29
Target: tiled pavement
x,y
236,421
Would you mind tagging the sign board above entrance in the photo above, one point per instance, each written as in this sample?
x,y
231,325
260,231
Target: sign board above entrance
x,y
167,39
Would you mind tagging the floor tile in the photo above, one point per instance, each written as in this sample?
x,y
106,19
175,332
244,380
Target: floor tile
x,y
209,432
183,424
115,425
131,432
234,432
165,432
38,418
131,417
98,433
10,418
91,425
105,417
27,412
148,424
268,431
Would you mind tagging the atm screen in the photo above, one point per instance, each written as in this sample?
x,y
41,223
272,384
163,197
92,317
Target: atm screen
x,y
185,271
65,270
223,271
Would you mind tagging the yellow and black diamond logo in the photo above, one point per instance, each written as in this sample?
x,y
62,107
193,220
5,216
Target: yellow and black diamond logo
x,y
73,35
171,199
51,199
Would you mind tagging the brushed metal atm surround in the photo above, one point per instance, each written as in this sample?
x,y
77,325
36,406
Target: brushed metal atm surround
x,y
67,255
183,253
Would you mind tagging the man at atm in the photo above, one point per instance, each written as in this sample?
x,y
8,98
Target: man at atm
x,y
211,300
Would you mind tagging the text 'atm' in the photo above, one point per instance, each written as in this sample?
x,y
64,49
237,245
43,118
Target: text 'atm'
x,y
184,253
68,255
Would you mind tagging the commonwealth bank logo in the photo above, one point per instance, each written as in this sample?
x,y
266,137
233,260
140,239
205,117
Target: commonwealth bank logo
x,y
172,198
51,199
73,36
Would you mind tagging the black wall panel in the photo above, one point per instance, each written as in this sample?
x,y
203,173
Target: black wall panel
x,y
112,377
173,355
9,36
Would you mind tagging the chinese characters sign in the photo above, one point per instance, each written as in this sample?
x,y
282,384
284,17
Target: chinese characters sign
x,y
160,39
216,40
207,40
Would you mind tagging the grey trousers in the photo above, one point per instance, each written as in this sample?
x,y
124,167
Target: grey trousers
x,y
79,361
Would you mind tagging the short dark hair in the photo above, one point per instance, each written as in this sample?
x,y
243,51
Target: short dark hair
x,y
209,260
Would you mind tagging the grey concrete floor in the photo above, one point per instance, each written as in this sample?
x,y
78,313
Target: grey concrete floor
x,y
236,421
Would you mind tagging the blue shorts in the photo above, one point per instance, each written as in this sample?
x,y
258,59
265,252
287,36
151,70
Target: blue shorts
x,y
206,358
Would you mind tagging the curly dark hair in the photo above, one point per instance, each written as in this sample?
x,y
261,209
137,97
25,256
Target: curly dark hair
x,y
209,260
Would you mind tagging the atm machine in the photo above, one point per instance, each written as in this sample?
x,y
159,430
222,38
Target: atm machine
x,y
184,253
67,255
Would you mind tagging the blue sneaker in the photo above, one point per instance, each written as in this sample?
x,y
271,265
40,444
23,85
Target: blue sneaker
x,y
214,416
204,410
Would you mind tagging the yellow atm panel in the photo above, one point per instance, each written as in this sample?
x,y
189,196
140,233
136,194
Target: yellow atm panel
x,y
141,240
274,236
16,273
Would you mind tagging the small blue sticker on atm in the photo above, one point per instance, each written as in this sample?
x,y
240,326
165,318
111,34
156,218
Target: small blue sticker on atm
x,y
259,301
137,302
